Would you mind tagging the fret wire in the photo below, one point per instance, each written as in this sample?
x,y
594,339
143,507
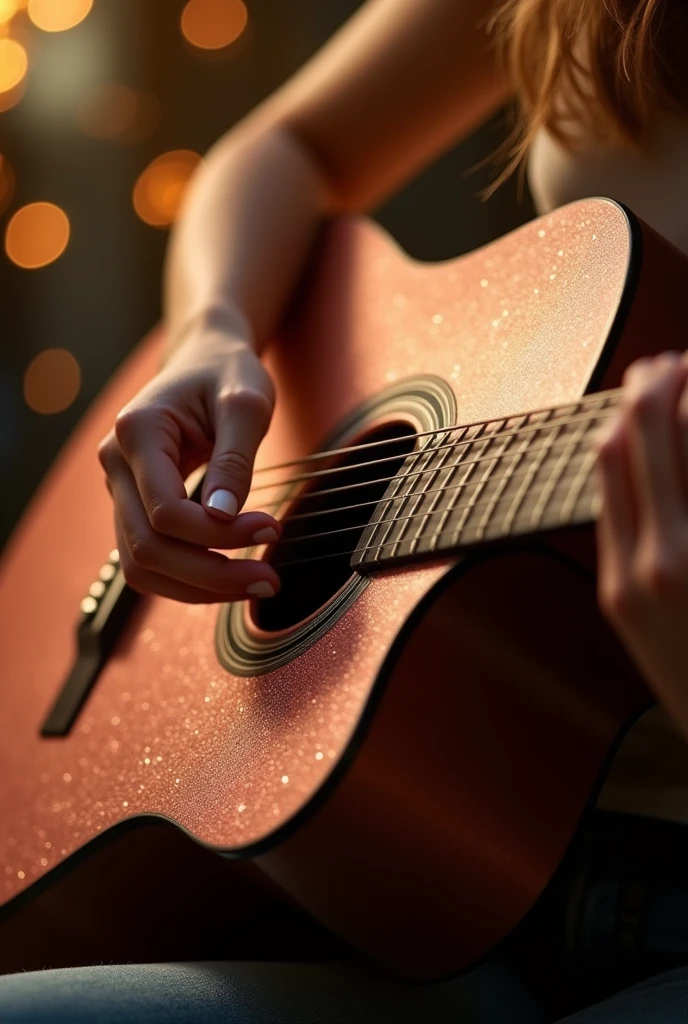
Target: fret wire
x,y
402,477
410,494
501,487
579,482
582,475
531,473
420,495
425,516
451,470
474,499
460,463
568,450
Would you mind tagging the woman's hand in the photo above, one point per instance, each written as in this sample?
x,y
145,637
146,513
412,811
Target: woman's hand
x,y
211,403
643,527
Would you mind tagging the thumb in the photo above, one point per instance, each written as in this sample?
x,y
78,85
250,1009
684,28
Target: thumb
x,y
242,419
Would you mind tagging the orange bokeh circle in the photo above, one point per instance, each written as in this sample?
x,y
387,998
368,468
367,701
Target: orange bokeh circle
x,y
52,381
213,24
160,188
37,235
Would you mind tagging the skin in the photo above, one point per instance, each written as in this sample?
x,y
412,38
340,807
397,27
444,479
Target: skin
x,y
642,531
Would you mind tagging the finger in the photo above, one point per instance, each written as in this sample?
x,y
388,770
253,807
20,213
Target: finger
x,y
148,551
146,582
650,401
242,420
148,443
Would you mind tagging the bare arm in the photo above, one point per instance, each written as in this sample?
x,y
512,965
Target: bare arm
x,y
398,84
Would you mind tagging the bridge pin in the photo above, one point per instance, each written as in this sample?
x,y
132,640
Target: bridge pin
x,y
97,589
89,606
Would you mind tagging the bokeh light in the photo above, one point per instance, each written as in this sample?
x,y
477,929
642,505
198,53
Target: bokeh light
x,y
58,15
159,190
118,112
8,9
213,24
13,64
37,235
51,381
8,182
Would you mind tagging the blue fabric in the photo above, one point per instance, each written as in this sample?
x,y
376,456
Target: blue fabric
x,y
246,993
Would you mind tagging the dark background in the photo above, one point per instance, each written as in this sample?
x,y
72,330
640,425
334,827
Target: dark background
x,y
100,297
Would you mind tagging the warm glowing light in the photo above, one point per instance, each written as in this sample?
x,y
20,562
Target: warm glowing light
x,y
158,192
58,15
7,183
8,9
36,235
116,111
212,24
13,64
52,381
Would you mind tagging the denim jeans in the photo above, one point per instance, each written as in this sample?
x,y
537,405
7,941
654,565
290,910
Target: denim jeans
x,y
272,993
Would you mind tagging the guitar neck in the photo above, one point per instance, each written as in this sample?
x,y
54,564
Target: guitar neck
x,y
490,481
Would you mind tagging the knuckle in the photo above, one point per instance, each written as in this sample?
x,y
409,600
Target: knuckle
x,y
108,452
142,551
128,426
234,464
160,517
250,402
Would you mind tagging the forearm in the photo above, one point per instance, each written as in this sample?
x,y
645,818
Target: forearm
x,y
394,88
247,227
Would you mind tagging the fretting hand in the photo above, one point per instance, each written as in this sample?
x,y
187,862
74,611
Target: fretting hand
x,y
643,527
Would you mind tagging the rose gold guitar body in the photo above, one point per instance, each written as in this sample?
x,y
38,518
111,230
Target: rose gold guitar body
x,y
414,777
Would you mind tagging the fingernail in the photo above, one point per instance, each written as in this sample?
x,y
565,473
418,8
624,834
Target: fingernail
x,y
268,535
223,501
260,589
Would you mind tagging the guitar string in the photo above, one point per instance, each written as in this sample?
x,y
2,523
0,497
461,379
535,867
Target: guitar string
x,y
431,512
529,428
586,400
410,476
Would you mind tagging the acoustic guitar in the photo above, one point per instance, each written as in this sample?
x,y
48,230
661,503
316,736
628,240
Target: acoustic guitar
x,y
404,740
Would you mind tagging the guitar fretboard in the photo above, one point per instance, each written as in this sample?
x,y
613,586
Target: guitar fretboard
x,y
504,478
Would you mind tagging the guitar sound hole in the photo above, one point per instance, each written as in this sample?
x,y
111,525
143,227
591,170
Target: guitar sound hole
x,y
313,560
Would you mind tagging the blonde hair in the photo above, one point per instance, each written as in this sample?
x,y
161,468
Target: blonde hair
x,y
605,64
